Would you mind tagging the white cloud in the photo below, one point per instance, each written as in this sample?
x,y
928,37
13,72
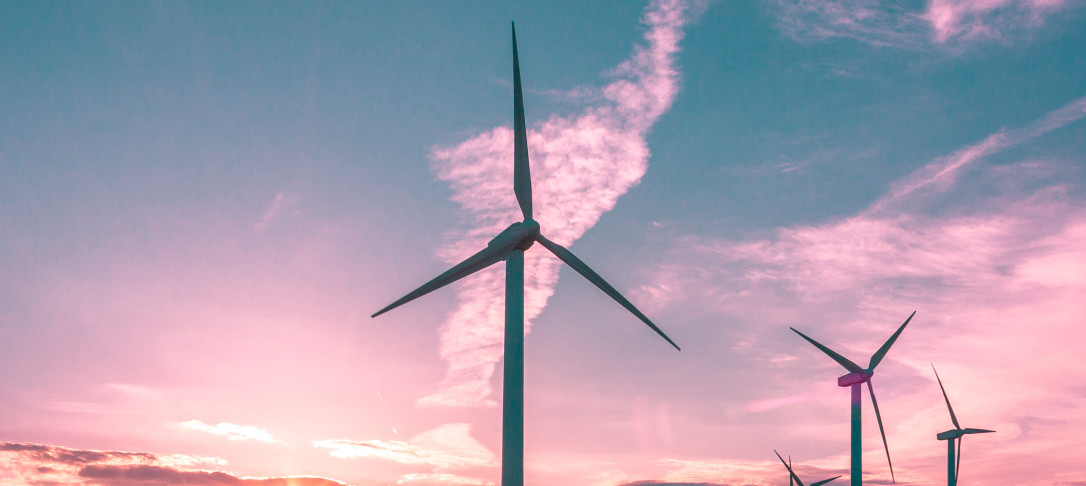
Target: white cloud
x,y
581,164
230,431
447,447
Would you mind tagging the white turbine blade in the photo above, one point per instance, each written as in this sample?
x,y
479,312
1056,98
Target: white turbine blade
x,y
791,473
490,255
576,264
843,361
953,418
882,431
824,481
877,357
522,177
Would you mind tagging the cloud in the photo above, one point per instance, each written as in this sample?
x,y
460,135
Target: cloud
x,y
23,463
940,174
944,23
581,164
442,478
157,475
882,24
281,201
986,19
1000,266
231,431
447,447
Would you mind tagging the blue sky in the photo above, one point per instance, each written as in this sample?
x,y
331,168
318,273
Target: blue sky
x,y
201,204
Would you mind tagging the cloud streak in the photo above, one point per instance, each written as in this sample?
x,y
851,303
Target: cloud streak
x,y
1007,271
581,164
447,447
943,23
231,431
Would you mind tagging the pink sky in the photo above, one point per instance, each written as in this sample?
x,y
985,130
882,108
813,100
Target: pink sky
x,y
232,345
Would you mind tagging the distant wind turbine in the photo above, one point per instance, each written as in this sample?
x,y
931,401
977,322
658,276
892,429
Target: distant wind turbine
x,y
792,474
510,246
952,465
856,377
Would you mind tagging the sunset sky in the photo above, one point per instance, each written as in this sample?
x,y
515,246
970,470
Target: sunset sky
x,y
202,203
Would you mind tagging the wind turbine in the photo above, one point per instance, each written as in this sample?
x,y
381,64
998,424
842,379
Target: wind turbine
x,y
510,246
856,377
792,474
952,465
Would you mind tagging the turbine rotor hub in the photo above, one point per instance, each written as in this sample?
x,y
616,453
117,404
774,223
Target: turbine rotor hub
x,y
854,378
529,231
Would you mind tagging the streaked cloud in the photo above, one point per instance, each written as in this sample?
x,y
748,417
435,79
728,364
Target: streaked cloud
x,y
883,24
942,23
442,478
275,208
986,19
581,164
231,431
997,267
447,447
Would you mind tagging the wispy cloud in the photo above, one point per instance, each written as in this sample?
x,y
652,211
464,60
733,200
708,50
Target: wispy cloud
x,y
274,209
1005,271
231,431
447,447
442,478
944,23
581,164
878,23
986,19
940,174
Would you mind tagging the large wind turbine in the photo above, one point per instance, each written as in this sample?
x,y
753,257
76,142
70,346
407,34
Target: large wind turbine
x,y
510,246
952,465
856,377
792,474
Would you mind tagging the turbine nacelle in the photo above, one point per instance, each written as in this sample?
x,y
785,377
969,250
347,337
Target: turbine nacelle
x,y
855,378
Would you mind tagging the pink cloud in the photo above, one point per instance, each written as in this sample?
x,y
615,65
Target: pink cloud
x,y
998,284
889,24
446,447
971,19
22,463
581,164
231,431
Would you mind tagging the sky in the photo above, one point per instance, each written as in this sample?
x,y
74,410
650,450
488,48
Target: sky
x,y
201,205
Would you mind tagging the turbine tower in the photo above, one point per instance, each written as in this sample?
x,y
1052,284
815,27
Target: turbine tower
x,y
856,377
952,464
792,474
510,245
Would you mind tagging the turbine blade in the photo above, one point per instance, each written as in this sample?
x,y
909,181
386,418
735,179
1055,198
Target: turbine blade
x,y
843,361
824,481
958,466
576,263
791,481
882,431
953,418
792,474
877,357
489,256
976,431
522,178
